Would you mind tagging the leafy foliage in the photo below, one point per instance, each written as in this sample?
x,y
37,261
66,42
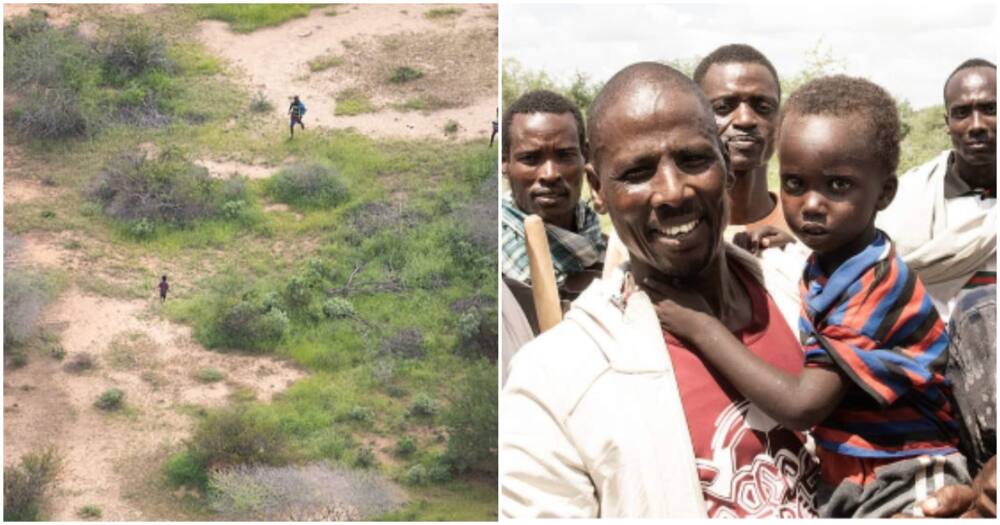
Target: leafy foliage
x,y
26,485
308,185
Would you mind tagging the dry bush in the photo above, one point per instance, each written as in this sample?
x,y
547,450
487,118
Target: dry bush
x,y
25,485
316,492
407,343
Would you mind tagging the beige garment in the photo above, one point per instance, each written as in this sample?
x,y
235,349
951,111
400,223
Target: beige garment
x,y
515,329
592,423
942,233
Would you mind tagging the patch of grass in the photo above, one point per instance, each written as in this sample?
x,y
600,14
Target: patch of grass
x,y
246,18
324,62
209,375
79,362
404,74
110,399
130,351
460,500
183,468
423,103
353,102
89,512
308,185
451,128
443,13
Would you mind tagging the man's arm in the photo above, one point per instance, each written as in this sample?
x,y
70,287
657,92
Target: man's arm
x,y
798,402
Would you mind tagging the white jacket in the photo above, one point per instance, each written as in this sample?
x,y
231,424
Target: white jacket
x,y
592,423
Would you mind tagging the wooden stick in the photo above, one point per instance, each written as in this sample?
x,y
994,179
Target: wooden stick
x,y
543,276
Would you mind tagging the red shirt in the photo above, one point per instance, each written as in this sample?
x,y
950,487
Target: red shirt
x,y
748,464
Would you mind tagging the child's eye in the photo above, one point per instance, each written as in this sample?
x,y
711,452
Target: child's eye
x,y
791,184
840,185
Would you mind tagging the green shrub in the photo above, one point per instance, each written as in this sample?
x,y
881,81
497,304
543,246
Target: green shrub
x,y
405,74
130,48
167,189
260,104
238,436
365,458
423,405
440,471
337,308
407,343
209,375
183,468
451,127
251,326
443,12
325,62
89,512
54,114
308,185
25,486
416,475
25,294
360,413
471,421
405,447
477,330
79,362
110,399
141,229
245,18
352,102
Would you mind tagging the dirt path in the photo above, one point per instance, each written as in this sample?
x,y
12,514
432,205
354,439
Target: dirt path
x,y
154,361
275,61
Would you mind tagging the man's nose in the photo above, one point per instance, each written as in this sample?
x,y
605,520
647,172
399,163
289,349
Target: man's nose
x,y
978,125
667,187
744,116
548,171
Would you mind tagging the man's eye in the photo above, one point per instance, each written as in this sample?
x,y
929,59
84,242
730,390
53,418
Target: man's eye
x,y
636,174
764,108
568,155
530,159
960,112
722,108
694,162
990,109
840,185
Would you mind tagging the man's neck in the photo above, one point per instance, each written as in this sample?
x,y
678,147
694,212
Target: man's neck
x,y
566,222
722,289
749,199
977,176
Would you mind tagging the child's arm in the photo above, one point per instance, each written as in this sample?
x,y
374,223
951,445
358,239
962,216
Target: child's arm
x,y
797,402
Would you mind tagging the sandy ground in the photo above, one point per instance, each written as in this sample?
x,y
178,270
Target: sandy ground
x,y
275,61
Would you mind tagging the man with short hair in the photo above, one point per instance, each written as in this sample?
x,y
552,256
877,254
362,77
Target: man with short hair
x,y
742,86
606,414
543,153
944,218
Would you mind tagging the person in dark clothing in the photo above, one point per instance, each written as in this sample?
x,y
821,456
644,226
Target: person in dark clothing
x,y
163,288
296,110
496,128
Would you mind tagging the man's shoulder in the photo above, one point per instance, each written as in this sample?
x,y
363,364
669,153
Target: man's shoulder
x,y
558,367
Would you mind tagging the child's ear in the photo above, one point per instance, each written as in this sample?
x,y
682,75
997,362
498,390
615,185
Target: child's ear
x,y
889,187
594,180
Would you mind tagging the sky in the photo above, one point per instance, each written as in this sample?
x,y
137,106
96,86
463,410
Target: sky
x,y
909,48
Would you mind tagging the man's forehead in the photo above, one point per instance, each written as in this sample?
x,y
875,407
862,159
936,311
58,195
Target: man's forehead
x,y
538,120
739,76
972,81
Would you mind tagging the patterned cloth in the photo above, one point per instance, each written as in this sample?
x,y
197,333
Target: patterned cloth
x,y
572,252
874,321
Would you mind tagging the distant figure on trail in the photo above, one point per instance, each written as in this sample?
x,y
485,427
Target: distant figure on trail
x,y
496,128
163,288
297,110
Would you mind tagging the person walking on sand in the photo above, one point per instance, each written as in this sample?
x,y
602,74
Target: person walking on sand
x,y
296,110
163,288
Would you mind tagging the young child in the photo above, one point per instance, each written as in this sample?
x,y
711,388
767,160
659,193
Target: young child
x,y
163,288
872,389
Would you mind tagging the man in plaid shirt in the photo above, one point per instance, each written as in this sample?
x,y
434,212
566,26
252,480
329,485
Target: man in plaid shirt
x,y
544,152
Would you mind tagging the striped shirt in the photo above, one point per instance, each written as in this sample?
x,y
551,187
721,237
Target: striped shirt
x,y
874,321
572,252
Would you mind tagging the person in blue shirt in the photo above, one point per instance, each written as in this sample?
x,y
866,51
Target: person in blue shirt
x,y
296,110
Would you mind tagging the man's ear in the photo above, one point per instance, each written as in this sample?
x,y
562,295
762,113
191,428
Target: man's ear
x,y
504,166
889,187
594,180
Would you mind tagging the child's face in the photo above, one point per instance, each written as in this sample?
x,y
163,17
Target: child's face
x,y
831,184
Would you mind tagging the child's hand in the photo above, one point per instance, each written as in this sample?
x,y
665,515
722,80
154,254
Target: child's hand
x,y
680,311
754,240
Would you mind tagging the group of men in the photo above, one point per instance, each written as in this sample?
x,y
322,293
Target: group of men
x,y
599,418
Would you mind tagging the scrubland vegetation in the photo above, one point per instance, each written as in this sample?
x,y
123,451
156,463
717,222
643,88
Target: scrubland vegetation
x,y
377,278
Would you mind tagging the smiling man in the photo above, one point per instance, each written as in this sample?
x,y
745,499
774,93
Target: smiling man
x,y
944,218
607,414
543,155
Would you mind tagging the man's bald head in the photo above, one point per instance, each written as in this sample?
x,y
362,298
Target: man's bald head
x,y
638,86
